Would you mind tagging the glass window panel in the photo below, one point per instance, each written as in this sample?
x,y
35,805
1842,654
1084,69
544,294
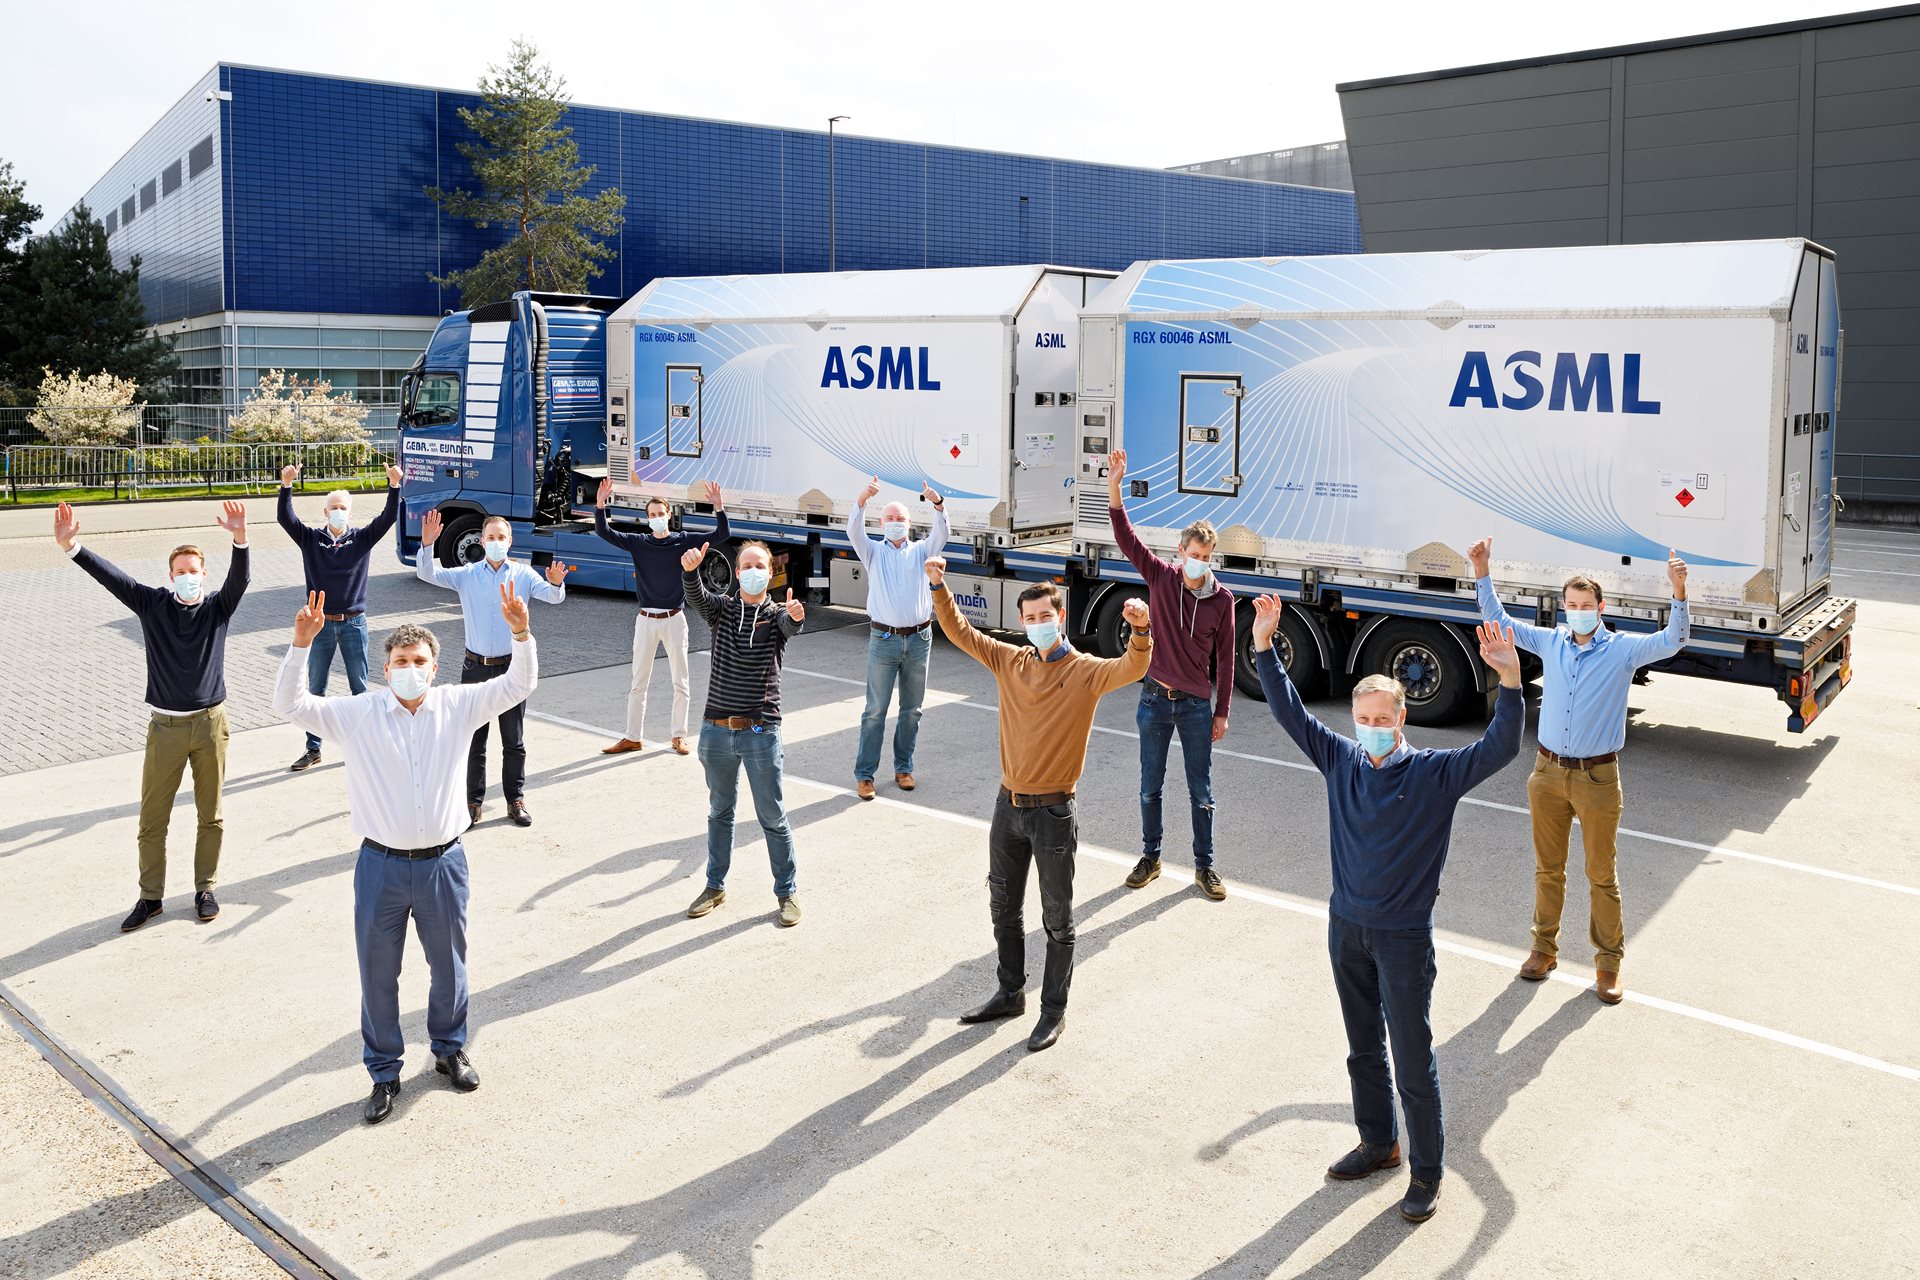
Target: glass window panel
x,y
288,337
149,195
350,337
170,179
200,159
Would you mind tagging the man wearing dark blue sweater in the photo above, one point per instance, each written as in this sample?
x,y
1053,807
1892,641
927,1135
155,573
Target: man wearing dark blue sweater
x,y
185,630
1390,818
334,557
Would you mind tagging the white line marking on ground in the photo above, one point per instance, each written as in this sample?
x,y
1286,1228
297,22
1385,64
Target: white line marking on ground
x,y
1315,912
1878,573
1877,551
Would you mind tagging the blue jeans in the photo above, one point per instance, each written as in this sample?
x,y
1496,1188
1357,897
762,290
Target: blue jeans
x,y
1385,981
386,890
891,657
1157,718
723,752
349,636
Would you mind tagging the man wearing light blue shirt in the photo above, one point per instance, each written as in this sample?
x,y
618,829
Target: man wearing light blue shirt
x,y
900,629
490,647
1587,669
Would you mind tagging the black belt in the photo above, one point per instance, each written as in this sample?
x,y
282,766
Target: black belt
x,y
1168,692
1583,762
342,617
655,613
413,855
485,661
1020,801
900,631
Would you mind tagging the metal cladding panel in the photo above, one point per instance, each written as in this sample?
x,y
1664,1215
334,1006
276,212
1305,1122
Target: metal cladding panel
x,y
576,382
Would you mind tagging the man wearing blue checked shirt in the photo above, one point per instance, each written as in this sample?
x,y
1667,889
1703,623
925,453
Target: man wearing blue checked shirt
x,y
899,629
490,647
1587,669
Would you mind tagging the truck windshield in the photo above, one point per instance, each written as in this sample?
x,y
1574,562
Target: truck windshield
x,y
432,399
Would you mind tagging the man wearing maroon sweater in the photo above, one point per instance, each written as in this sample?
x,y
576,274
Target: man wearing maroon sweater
x,y
1192,668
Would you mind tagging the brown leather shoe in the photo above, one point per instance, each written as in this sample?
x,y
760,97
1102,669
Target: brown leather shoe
x,y
863,787
1606,985
1538,965
623,746
904,781
680,747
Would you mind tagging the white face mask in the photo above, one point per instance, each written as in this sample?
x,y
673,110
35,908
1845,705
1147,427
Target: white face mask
x,y
894,530
337,520
496,550
186,586
409,683
754,581
1583,621
1194,569
657,523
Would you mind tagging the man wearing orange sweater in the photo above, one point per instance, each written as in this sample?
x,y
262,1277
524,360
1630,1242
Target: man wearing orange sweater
x,y
1047,697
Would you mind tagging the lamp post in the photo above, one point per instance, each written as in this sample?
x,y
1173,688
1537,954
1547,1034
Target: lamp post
x,y
831,244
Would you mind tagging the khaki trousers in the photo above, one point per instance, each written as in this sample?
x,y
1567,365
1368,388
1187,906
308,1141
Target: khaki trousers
x,y
173,743
648,635
1557,795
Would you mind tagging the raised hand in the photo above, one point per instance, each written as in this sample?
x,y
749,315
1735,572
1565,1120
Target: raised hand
x,y
513,609
604,494
312,617
288,475
1266,620
1135,612
66,525
557,573
936,569
1116,471
795,609
430,529
233,518
926,491
718,499
394,476
1478,555
866,494
1677,574
1497,651
691,559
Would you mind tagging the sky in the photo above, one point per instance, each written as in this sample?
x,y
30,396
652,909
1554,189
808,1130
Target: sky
x,y
1137,82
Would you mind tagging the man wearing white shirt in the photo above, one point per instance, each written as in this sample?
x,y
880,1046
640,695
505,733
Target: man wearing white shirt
x,y
900,630
405,748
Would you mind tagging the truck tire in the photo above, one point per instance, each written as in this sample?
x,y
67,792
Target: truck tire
x,y
1299,656
1111,634
459,543
716,571
1429,661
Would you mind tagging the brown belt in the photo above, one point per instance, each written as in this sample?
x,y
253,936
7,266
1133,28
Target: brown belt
x,y
884,629
1167,691
342,617
485,661
735,722
655,613
1020,801
1569,762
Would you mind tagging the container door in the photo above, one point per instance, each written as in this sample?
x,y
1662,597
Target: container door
x,y
1210,433
1826,406
684,429
1797,433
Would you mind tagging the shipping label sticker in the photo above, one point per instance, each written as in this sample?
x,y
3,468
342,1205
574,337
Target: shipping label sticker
x,y
961,449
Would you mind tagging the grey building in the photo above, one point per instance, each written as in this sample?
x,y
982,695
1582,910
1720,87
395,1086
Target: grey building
x,y
1798,129
1323,164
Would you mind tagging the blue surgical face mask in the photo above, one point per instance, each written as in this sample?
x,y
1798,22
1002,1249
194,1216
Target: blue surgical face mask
x,y
496,550
1045,635
1195,569
1583,621
186,586
754,581
657,523
1375,740
894,530
336,520
409,683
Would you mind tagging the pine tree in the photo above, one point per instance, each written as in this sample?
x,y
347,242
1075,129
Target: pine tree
x,y
17,217
529,172
81,314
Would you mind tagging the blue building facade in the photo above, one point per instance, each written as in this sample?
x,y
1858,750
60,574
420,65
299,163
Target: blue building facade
x,y
282,221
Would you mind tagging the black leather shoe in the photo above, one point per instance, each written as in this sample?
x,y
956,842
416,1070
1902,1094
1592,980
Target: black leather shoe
x,y
143,910
380,1103
1005,1004
1363,1160
1046,1031
1422,1199
1144,873
205,905
459,1071
517,810
305,762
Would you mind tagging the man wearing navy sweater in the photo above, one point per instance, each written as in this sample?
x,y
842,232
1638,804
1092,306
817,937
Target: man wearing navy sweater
x,y
185,630
1390,817
334,557
656,580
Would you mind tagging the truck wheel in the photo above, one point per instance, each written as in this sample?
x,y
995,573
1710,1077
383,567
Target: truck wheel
x,y
1299,657
716,571
1432,666
1111,632
460,541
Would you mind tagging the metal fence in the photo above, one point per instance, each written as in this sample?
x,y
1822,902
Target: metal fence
x,y
160,424
173,468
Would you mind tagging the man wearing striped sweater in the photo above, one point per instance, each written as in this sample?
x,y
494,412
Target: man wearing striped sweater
x,y
742,717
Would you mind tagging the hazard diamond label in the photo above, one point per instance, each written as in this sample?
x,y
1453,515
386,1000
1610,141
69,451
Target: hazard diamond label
x,y
1684,497
954,453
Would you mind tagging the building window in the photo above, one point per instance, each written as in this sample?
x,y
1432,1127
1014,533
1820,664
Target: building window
x,y
170,179
149,196
200,159
126,211
113,221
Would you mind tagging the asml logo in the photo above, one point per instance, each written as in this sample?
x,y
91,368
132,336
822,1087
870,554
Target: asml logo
x,y
1571,387
1050,340
895,371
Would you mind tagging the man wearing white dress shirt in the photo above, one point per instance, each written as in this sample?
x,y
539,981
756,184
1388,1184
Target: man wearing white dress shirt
x,y
406,751
899,631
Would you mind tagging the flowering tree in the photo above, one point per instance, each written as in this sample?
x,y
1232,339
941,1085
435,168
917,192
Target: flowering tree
x,y
285,408
92,410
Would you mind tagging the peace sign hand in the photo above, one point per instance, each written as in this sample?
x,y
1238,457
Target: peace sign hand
x,y
513,609
312,617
